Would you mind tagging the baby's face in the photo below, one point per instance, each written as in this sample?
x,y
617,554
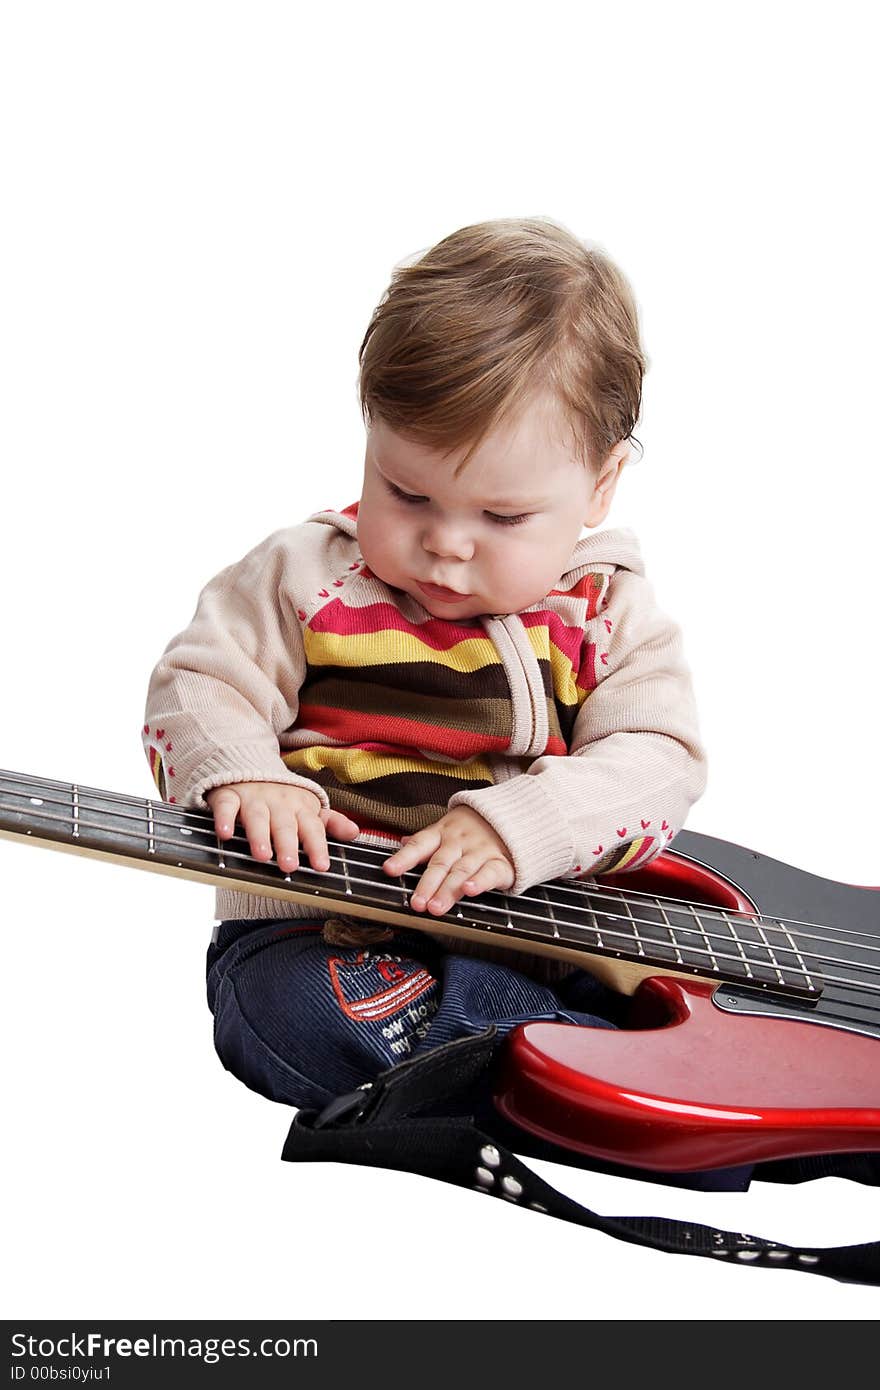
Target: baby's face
x,y
499,536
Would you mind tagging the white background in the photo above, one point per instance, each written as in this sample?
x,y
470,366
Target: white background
x,y
202,204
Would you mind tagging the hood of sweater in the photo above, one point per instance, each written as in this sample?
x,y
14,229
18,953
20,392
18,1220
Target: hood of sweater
x,y
618,547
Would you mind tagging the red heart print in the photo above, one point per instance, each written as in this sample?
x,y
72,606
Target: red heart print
x,y
645,824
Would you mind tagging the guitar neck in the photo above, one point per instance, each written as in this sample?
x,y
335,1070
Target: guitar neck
x,y
618,937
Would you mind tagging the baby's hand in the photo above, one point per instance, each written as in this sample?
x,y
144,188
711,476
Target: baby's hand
x,y
465,856
276,815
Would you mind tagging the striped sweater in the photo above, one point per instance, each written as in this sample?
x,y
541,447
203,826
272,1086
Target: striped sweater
x,y
570,727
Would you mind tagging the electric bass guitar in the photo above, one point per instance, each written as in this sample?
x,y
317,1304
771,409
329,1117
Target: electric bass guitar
x,y
753,1029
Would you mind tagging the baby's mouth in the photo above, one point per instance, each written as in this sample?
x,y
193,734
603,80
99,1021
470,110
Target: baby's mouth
x,y
438,591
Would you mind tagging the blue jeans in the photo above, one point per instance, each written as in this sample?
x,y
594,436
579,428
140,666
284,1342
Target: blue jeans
x,y
302,1021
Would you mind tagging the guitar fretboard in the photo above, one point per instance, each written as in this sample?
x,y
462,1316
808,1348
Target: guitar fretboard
x,y
565,916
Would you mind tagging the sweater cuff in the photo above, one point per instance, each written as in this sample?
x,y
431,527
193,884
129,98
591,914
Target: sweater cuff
x,y
528,821
245,763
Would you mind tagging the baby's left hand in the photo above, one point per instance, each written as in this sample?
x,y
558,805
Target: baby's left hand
x,y
464,854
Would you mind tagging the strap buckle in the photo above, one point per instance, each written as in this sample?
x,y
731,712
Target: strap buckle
x,y
345,1109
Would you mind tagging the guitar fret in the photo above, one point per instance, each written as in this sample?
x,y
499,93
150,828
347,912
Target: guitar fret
x,y
404,891
639,942
769,949
151,838
672,941
75,809
553,921
702,931
635,929
599,942
342,855
797,955
732,926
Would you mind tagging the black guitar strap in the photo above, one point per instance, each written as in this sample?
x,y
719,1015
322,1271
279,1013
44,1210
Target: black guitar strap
x,y
433,1115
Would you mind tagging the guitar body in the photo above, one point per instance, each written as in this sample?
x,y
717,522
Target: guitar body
x,y
709,1075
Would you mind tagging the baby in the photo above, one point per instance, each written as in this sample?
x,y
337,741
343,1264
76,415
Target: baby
x,y
446,669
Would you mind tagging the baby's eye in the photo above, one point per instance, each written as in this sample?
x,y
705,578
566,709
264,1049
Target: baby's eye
x,y
509,520
402,496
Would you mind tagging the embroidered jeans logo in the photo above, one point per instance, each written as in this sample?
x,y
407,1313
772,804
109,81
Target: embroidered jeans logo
x,y
371,986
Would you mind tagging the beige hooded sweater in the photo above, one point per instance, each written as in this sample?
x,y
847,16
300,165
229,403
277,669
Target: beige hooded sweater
x,y
570,727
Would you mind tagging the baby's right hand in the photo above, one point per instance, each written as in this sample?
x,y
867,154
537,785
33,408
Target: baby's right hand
x,y
278,816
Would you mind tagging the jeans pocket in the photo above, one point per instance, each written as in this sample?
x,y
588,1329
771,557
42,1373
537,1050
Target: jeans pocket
x,y
254,937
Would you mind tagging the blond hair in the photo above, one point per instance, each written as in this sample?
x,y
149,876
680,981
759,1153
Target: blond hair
x,y
492,316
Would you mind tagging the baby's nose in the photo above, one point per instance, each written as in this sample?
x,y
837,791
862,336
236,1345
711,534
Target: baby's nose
x,y
448,541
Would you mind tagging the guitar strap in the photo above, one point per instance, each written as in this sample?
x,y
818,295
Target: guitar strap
x,y
433,1114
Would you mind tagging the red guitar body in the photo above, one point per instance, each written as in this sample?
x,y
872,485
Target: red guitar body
x,y
709,1075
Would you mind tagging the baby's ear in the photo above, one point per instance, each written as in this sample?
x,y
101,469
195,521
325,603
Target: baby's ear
x,y
622,452
606,481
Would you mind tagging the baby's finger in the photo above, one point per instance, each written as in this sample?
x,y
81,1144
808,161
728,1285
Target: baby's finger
x,y
224,804
418,847
494,874
314,841
339,826
286,841
432,890
255,819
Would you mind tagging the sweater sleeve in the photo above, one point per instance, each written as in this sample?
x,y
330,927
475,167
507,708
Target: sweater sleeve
x,y
635,763
227,686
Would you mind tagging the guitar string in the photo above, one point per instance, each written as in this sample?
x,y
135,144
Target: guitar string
x,y
475,903
587,895
575,887
725,912
582,940
713,953
576,891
